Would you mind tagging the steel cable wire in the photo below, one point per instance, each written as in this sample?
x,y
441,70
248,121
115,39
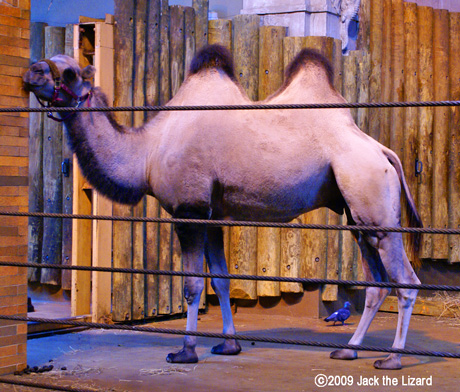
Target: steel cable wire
x,y
255,106
423,230
310,281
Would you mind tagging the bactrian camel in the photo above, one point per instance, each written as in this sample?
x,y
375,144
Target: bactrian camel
x,y
258,165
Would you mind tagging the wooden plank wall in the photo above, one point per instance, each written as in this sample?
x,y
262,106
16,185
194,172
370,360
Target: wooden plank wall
x,y
401,60
52,176
414,52
397,61
50,240
290,252
159,44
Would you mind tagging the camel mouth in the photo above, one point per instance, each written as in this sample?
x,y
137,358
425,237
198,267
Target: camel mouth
x,y
32,88
36,78
38,90
30,81
38,85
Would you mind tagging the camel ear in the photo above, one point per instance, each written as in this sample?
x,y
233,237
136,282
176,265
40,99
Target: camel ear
x,y
88,72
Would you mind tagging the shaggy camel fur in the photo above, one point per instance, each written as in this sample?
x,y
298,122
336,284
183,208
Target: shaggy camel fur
x,y
266,165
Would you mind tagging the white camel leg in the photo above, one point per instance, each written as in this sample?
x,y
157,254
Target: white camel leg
x,y
192,240
391,248
373,271
217,265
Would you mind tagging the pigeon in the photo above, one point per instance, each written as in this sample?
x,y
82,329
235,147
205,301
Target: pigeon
x,y
340,315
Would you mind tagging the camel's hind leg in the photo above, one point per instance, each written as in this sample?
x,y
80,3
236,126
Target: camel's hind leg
x,y
373,272
392,257
372,197
217,265
391,249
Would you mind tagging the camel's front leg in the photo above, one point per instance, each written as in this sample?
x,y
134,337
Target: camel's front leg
x,y
192,239
216,260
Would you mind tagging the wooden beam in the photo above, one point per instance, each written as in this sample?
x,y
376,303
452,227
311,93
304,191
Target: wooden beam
x,y
201,8
35,227
152,85
424,307
386,75
67,186
397,74
220,32
176,46
454,145
270,79
138,120
164,239
425,132
440,150
81,229
411,93
190,37
292,258
243,246
375,77
122,231
52,177
102,230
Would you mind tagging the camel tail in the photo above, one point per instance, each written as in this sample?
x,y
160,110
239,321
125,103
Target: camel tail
x,y
413,246
213,56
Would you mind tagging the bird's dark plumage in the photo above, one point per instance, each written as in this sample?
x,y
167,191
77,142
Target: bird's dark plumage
x,y
340,315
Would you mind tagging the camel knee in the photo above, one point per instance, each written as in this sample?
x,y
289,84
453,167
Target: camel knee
x,y
375,296
220,286
406,297
193,290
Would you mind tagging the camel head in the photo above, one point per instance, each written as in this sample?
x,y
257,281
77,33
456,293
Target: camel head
x,y
59,81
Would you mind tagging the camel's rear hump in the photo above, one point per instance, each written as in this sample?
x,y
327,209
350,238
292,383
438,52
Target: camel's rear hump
x,y
213,56
309,56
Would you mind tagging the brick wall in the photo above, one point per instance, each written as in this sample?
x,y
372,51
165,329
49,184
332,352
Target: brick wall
x,y
14,60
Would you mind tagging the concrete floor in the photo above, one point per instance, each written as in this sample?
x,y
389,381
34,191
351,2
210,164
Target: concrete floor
x,y
121,361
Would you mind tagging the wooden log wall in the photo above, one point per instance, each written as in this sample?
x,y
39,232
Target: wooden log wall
x,y
123,231
243,241
52,179
260,56
67,185
51,190
159,42
271,66
401,60
414,56
293,253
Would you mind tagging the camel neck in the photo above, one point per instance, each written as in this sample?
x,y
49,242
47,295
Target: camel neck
x,y
112,158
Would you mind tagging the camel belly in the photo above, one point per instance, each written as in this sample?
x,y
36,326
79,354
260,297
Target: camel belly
x,y
276,200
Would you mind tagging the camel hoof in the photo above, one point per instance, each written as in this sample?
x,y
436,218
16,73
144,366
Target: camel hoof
x,y
345,354
186,355
228,347
390,363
